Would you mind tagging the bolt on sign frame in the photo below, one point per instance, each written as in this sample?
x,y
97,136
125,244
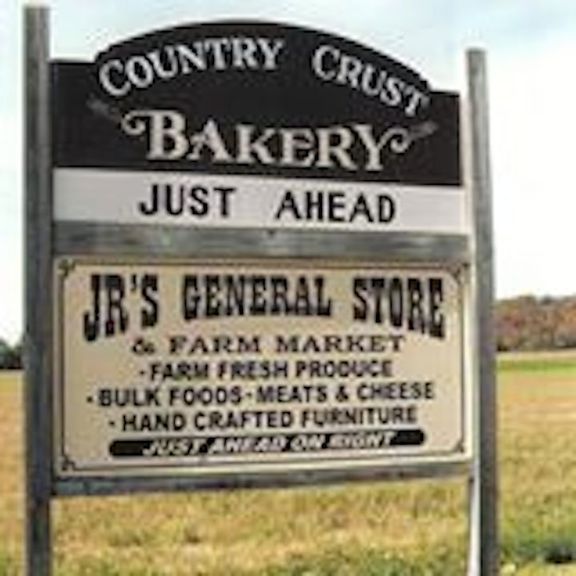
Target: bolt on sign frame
x,y
256,255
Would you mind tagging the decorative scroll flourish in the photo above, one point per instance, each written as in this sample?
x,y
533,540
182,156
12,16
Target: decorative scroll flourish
x,y
67,463
400,139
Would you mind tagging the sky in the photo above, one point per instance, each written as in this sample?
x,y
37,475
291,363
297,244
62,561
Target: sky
x,y
530,46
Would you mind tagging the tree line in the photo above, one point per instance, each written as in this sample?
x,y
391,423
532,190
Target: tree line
x,y
536,323
522,323
10,356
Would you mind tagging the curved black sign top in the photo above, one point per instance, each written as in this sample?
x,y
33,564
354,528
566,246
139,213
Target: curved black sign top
x,y
243,97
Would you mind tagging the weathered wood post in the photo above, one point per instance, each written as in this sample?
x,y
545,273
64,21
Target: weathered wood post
x,y
38,317
484,556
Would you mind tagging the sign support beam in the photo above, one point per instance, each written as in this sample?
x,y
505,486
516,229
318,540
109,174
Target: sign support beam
x,y
50,234
38,251
484,554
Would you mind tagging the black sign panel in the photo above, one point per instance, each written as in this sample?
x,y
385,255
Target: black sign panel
x,y
254,98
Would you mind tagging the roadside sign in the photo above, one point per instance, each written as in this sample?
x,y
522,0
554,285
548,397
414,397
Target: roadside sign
x,y
204,368
255,256
255,125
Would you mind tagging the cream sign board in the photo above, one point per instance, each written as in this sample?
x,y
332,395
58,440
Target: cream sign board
x,y
202,368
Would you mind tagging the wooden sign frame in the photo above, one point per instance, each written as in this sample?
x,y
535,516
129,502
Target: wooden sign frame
x,y
46,241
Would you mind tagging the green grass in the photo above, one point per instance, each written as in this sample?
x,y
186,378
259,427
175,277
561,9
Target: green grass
x,y
538,465
375,563
393,529
537,365
8,565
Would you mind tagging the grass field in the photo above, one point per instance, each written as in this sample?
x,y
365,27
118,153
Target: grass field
x,y
418,528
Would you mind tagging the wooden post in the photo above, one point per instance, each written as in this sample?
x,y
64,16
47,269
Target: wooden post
x,y
484,550
38,292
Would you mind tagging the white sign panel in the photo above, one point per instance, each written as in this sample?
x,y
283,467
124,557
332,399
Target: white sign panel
x,y
200,200
248,367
